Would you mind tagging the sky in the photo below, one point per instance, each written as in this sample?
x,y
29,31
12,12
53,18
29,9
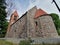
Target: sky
x,y
24,5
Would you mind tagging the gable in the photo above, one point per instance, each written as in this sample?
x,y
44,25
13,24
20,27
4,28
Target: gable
x,y
39,13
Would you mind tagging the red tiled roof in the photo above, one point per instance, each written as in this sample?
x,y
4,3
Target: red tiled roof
x,y
39,13
15,13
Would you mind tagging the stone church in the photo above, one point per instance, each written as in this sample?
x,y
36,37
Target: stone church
x,y
34,23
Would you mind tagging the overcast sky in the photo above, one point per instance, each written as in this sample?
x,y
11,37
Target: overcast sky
x,y
24,5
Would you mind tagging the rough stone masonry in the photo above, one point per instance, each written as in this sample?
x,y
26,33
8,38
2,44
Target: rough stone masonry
x,y
34,23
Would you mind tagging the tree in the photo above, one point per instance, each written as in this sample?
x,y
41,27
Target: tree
x,y
3,21
56,21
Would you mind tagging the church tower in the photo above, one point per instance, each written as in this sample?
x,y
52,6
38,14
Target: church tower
x,y
14,17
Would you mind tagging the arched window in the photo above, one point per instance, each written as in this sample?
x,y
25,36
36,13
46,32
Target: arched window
x,y
36,23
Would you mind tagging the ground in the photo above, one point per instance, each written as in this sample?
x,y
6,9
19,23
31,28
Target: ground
x,y
4,42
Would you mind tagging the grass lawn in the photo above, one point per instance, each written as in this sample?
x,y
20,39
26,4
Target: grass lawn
x,y
3,42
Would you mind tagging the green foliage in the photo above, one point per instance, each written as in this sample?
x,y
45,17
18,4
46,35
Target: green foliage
x,y
4,42
24,42
56,20
54,16
30,40
58,31
3,21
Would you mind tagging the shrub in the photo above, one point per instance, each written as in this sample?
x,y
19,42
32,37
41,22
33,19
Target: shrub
x,y
24,42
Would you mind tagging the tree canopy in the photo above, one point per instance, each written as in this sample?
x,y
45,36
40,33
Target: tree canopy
x,y
56,21
3,21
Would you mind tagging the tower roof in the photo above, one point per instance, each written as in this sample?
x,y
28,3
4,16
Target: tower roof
x,y
39,13
15,13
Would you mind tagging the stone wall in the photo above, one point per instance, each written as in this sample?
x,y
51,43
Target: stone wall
x,y
46,27
28,26
23,27
18,29
30,22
